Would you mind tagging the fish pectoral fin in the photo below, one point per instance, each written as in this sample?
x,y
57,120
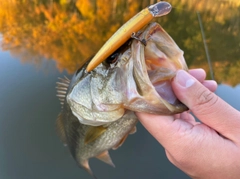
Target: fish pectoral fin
x,y
134,130
60,129
105,157
93,133
120,142
85,165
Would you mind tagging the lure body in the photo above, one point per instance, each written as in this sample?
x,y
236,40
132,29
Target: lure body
x,y
124,33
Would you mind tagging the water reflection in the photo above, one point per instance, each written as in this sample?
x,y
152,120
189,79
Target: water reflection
x,y
69,32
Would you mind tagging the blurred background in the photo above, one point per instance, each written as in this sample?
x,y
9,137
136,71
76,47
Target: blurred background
x,y
41,40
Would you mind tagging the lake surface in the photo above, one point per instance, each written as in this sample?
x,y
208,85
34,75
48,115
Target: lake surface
x,y
42,40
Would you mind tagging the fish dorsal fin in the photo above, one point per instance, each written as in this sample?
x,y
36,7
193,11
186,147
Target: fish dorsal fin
x,y
105,157
93,133
60,129
62,87
84,164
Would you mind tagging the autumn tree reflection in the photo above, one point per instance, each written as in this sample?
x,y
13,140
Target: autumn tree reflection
x,y
221,22
70,31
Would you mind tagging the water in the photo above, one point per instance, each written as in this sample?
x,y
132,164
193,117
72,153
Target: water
x,y
42,41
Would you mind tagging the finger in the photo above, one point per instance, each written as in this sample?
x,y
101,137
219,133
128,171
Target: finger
x,y
177,116
206,106
166,129
198,73
155,123
210,84
188,118
172,159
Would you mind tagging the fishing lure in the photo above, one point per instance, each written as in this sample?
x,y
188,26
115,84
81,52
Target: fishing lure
x,y
125,32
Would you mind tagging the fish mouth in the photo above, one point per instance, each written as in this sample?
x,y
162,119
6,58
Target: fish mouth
x,y
163,87
162,59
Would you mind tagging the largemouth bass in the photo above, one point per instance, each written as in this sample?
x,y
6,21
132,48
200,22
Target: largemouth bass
x,y
98,107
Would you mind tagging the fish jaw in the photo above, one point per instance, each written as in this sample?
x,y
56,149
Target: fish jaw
x,y
154,66
161,50
163,58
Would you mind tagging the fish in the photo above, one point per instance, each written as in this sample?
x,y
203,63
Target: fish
x,y
98,107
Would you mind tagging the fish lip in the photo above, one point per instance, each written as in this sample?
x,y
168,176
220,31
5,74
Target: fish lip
x,y
151,29
160,9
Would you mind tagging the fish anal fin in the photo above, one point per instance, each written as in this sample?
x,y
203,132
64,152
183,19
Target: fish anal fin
x,y
85,165
60,129
93,133
134,130
105,157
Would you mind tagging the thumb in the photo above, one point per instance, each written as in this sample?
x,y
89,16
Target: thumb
x,y
206,106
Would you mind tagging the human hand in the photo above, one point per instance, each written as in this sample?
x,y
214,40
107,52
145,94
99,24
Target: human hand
x,y
206,149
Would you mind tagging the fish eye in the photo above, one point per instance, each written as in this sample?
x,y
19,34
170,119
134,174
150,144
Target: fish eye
x,y
112,58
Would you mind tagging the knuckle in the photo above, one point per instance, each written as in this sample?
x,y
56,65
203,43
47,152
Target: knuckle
x,y
206,99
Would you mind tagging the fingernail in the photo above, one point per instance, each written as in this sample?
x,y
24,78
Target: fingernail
x,y
184,79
